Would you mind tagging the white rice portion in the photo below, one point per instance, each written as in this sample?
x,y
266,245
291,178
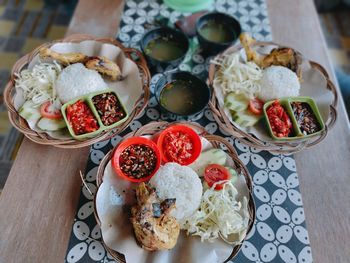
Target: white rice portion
x,y
76,80
278,82
181,182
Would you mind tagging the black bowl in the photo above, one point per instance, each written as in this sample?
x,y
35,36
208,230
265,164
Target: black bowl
x,y
202,91
229,22
172,34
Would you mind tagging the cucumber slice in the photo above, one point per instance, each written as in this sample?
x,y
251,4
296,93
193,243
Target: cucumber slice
x,y
211,156
245,118
236,102
29,112
234,175
51,125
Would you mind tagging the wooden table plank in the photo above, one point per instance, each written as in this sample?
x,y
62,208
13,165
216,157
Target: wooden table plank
x,y
48,178
39,202
99,18
40,197
323,170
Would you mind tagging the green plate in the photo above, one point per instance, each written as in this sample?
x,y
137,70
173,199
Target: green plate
x,y
314,110
70,129
286,104
88,100
189,6
104,127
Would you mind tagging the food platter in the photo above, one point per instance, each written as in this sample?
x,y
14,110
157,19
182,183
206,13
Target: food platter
x,y
132,89
314,83
107,180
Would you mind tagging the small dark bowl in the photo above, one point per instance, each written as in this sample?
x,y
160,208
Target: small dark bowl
x,y
229,22
203,90
170,33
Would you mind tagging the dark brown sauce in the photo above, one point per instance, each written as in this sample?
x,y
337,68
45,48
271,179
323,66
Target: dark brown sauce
x,y
305,117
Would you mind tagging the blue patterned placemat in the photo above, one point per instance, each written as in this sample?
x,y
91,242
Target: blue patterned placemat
x,y
279,234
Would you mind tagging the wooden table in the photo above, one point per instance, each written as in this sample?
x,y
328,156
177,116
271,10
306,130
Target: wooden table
x,y
39,201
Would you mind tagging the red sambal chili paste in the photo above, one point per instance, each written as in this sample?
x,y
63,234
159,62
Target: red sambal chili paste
x,y
280,122
178,146
81,118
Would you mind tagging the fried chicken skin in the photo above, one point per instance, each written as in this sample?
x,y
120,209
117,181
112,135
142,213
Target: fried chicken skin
x,y
286,57
104,66
101,64
247,41
154,228
65,59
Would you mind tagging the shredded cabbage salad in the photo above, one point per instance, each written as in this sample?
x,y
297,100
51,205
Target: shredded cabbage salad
x,y
38,84
219,214
237,76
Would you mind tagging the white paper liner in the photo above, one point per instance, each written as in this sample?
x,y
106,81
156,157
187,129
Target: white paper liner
x,y
117,231
129,89
313,85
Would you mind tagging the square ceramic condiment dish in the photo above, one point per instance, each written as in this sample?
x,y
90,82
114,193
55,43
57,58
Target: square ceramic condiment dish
x,y
314,110
286,104
83,136
88,100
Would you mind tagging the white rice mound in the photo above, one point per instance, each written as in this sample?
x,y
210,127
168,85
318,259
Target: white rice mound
x,y
76,80
181,182
278,82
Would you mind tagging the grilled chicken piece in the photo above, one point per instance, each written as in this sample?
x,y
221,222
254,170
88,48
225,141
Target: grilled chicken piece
x,y
247,41
104,66
154,228
101,64
286,57
65,59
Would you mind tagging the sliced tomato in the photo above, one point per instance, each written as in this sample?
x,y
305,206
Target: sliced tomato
x,y
48,110
214,173
256,106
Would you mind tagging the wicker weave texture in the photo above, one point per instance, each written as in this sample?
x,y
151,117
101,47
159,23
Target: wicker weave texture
x,y
43,138
276,147
152,129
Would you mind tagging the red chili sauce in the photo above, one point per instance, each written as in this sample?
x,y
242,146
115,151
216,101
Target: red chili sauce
x,y
280,122
81,118
178,147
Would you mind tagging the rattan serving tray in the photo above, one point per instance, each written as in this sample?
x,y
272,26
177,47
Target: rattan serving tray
x,y
217,142
43,138
272,146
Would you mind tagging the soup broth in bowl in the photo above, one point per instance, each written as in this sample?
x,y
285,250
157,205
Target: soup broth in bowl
x,y
217,32
179,96
164,49
182,93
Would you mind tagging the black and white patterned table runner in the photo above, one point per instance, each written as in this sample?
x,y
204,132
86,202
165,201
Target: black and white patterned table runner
x,y
279,234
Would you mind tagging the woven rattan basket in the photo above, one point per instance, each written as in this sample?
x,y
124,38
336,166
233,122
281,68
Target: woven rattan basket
x,y
217,141
276,147
43,138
